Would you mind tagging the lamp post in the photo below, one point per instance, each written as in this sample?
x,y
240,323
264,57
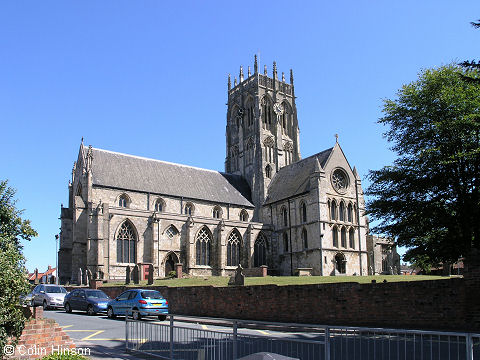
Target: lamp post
x,y
56,259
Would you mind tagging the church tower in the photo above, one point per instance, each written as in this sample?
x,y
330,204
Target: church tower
x,y
262,133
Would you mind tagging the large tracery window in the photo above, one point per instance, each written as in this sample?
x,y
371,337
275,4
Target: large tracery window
x,y
233,249
260,251
126,240
203,244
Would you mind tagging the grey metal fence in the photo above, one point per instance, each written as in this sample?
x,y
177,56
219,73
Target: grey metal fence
x,y
234,339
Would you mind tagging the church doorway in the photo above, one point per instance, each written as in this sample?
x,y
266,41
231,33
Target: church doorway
x,y
170,262
340,263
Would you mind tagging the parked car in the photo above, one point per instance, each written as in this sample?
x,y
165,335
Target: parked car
x,y
138,303
49,296
26,300
91,301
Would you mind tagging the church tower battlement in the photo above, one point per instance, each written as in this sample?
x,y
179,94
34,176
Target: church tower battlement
x,y
262,133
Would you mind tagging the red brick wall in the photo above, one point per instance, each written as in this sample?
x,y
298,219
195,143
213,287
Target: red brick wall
x,y
439,304
39,335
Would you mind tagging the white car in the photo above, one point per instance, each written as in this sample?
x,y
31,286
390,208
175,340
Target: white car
x,y
49,296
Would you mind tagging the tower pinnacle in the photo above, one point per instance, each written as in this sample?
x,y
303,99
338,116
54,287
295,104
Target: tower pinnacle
x,y
255,65
229,82
275,70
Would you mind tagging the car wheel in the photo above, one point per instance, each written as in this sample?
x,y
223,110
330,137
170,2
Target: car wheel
x,y
90,310
110,313
162,317
45,306
136,315
68,308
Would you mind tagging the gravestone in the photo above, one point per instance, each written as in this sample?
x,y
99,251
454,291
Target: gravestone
x,y
150,274
88,276
127,275
79,279
136,274
239,276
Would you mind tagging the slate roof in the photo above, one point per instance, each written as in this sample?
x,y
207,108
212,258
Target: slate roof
x,y
130,172
294,179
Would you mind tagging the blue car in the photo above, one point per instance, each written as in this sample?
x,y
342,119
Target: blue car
x,y
91,301
138,303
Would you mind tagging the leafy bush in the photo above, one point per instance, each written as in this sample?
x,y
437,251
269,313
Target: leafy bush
x,y
172,274
13,281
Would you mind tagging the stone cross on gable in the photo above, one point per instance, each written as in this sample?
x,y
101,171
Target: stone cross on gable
x,y
336,138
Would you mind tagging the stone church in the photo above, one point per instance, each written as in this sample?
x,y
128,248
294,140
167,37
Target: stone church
x,y
269,208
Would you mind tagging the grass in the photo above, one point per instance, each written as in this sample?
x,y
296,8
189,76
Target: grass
x,y
280,280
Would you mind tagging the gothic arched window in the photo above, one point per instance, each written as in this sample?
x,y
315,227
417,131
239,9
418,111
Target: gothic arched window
x,y
217,212
203,244
305,238
350,213
335,236
303,211
343,235
333,214
233,249
285,242
284,216
188,209
351,235
243,215
126,243
123,201
260,251
341,211
268,171
159,205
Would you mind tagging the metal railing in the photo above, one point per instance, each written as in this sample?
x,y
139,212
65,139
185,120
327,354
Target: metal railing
x,y
233,339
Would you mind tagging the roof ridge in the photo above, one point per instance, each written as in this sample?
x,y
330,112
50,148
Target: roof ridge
x,y
161,161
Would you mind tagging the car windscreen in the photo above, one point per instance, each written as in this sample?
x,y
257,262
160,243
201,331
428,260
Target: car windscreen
x,y
151,295
96,294
55,290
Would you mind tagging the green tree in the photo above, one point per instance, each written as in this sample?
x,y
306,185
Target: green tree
x,y
428,200
13,282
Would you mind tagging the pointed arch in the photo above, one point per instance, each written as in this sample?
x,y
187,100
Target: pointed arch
x,y
169,261
304,238
260,250
126,238
203,246
350,212
340,263
243,215
159,205
341,211
250,113
268,171
284,216
351,237
303,212
267,111
343,236
189,209
217,212
335,236
123,200
287,118
234,246
333,208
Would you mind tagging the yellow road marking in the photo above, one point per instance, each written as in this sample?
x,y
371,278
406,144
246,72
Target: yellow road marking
x,y
79,330
66,326
92,335
204,327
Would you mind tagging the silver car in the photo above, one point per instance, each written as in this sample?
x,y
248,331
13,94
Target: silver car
x,y
49,296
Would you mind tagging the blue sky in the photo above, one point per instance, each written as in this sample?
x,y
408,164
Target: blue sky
x,y
149,78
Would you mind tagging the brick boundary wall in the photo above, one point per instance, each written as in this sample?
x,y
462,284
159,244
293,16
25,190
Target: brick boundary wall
x,y
432,304
40,333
